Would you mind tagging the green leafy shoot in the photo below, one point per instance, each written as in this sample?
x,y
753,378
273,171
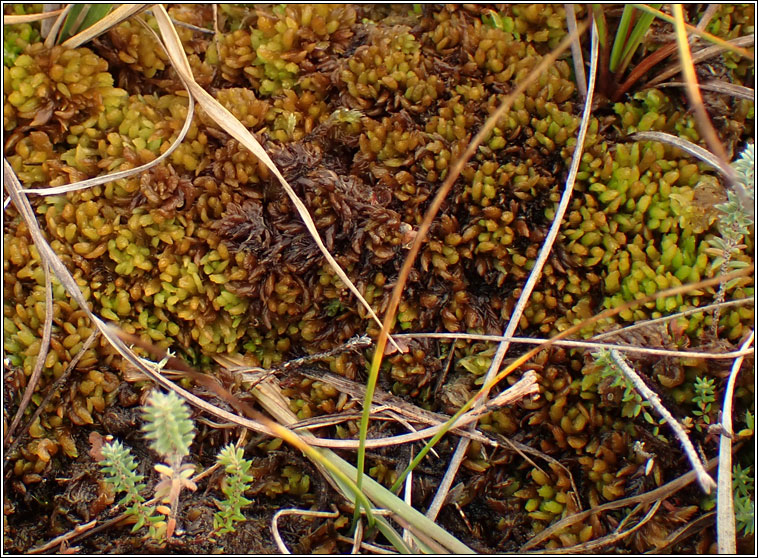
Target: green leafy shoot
x,y
705,396
120,471
238,480
743,483
81,17
168,425
170,431
626,41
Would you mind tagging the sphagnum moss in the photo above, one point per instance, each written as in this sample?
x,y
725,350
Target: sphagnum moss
x,y
204,253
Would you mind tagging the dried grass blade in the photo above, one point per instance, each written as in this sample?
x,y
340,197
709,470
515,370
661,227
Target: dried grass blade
x,y
91,182
557,220
46,24
119,14
587,344
234,127
688,147
534,276
97,180
29,18
739,91
725,521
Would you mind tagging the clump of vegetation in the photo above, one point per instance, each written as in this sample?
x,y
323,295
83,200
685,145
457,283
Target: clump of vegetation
x,y
170,431
237,479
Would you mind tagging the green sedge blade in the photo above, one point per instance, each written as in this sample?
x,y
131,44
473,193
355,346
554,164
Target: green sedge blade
x,y
81,17
635,39
620,41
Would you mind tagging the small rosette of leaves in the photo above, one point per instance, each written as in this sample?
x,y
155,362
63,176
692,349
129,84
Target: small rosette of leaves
x,y
234,485
168,425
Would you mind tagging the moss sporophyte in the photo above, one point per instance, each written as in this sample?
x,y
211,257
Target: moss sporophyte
x,y
365,109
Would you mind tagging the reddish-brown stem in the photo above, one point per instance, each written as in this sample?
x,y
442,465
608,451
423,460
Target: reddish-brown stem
x,y
642,68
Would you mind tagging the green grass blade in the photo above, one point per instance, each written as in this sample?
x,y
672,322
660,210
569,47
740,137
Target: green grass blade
x,y
635,39
621,39
386,499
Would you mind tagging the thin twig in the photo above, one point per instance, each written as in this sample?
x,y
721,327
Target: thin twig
x,y
725,527
704,479
64,538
